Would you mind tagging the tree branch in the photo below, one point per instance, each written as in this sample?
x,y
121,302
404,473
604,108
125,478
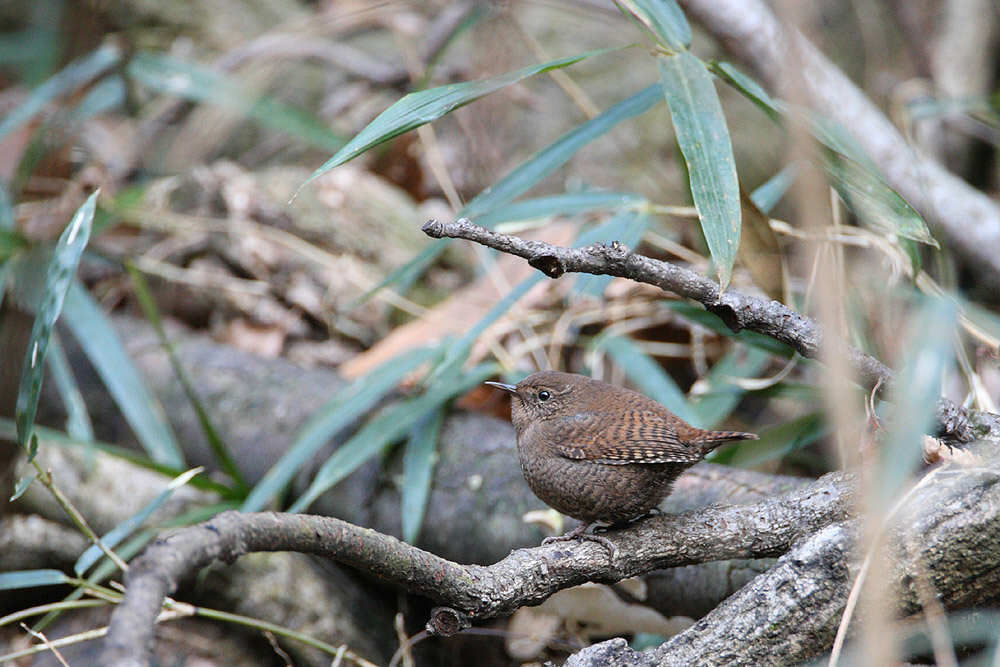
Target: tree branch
x,y
738,311
946,537
472,592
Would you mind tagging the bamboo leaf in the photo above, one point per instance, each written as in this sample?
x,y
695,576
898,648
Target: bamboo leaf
x,y
704,141
928,356
105,350
58,277
528,175
191,81
721,396
856,177
348,406
385,429
72,77
220,450
418,469
31,579
663,18
114,537
426,106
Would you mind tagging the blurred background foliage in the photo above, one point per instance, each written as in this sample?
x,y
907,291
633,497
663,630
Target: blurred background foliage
x,y
264,168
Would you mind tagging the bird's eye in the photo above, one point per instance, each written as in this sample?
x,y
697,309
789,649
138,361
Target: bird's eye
x,y
544,395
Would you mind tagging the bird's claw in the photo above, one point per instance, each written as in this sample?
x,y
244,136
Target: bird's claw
x,y
579,533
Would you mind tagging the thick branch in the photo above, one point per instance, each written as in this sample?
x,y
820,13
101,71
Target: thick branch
x,y
470,592
738,311
946,538
967,218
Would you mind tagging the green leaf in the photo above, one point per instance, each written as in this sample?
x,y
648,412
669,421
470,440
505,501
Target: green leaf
x,y
648,375
775,442
750,88
560,205
191,81
704,141
928,347
385,429
78,419
58,277
72,77
663,18
855,175
722,396
31,578
22,486
106,352
5,268
546,161
220,450
60,439
873,201
426,106
767,196
114,537
456,352
349,405
418,469
6,211
527,175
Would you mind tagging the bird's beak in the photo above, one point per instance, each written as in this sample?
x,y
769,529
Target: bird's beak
x,y
509,388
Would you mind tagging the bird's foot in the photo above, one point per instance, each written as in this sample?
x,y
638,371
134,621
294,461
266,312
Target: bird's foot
x,y
656,511
580,533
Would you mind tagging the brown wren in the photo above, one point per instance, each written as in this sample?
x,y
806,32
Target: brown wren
x,y
601,453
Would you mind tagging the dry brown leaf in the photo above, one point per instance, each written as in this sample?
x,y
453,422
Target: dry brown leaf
x,y
264,341
759,250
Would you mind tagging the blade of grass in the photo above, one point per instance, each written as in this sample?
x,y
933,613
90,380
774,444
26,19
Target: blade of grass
x,y
457,352
704,141
6,210
386,428
348,406
5,269
426,106
58,278
105,350
219,448
418,469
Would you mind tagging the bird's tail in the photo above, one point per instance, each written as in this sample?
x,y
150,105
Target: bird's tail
x,y
709,440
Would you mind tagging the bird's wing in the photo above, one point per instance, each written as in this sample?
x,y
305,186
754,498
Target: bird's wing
x,y
618,438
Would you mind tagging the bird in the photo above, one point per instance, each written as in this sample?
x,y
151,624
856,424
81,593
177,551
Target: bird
x,y
598,452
